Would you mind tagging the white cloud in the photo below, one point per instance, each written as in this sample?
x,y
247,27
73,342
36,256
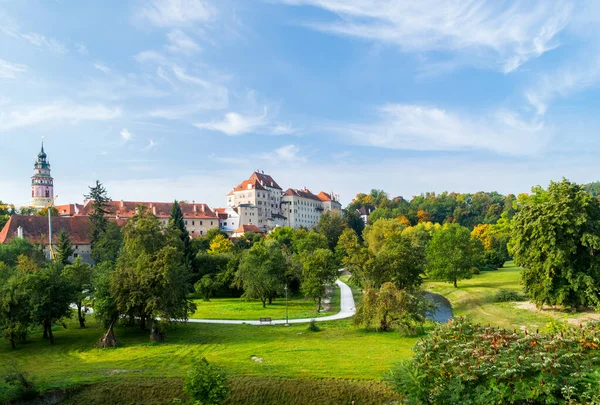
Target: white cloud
x,y
41,41
126,135
507,34
283,129
57,111
236,124
10,70
81,49
422,128
150,56
180,42
169,13
287,154
151,145
103,68
577,76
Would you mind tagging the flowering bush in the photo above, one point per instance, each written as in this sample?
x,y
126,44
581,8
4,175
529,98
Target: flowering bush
x,y
464,363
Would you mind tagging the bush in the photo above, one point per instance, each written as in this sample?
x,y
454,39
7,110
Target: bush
x,y
313,327
20,385
469,364
504,295
206,384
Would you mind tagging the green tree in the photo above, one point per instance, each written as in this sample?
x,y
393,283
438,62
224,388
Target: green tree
x,y
207,286
261,273
64,247
206,384
318,270
5,213
79,275
376,234
51,297
15,312
309,241
220,244
331,225
354,221
176,220
556,239
151,279
99,204
11,251
399,262
109,244
452,254
391,307
284,235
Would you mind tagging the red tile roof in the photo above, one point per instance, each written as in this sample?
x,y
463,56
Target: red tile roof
x,y
126,209
68,210
243,186
323,196
248,228
265,180
221,213
35,229
301,193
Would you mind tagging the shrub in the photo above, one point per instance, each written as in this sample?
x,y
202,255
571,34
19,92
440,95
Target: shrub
x,y
206,384
504,295
21,386
313,327
468,364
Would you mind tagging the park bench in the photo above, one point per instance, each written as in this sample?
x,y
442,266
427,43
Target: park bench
x,y
265,320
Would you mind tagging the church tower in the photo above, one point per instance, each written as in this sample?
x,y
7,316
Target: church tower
x,y
42,184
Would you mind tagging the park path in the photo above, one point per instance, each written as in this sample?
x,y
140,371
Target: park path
x,y
347,310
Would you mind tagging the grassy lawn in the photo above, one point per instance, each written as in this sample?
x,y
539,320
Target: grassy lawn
x,y
339,350
474,298
240,308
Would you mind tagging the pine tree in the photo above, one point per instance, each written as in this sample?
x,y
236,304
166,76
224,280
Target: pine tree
x,y
98,219
64,248
178,223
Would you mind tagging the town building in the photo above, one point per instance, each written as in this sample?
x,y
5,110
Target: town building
x,y
229,219
364,213
36,229
198,218
42,183
246,229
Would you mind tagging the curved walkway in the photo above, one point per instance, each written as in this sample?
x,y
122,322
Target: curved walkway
x,y
347,310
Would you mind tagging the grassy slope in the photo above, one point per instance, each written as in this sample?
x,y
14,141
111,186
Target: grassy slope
x,y
239,308
474,298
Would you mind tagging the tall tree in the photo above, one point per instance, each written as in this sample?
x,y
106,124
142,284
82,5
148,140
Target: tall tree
x,y
109,244
354,221
556,239
79,275
261,272
331,225
51,297
5,213
398,261
220,244
99,203
64,248
151,279
318,271
15,311
178,223
452,254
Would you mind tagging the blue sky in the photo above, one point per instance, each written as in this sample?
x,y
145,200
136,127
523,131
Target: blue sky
x,y
165,99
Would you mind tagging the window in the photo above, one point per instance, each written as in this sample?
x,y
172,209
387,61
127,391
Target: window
x,y
211,222
186,222
200,224
193,223
201,233
75,255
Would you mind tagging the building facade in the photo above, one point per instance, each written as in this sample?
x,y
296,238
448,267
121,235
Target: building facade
x,y
42,183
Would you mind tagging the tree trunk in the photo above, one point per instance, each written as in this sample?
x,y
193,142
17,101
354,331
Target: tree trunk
x,y
156,335
319,304
143,322
270,300
80,316
50,335
12,342
109,339
264,302
45,335
455,286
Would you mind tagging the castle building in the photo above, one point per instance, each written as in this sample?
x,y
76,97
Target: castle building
x,y
42,183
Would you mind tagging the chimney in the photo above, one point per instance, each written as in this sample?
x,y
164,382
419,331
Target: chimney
x,y
195,209
122,204
202,207
153,210
20,232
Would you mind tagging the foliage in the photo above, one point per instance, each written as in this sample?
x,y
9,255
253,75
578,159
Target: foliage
x,y
151,279
97,215
309,241
354,221
44,212
318,270
103,301
472,364
284,235
206,384
79,275
504,295
64,248
331,225
5,213
398,261
376,234
220,244
207,286
261,272
452,254
22,386
390,307
15,313
51,297
109,244
556,239
11,251
177,222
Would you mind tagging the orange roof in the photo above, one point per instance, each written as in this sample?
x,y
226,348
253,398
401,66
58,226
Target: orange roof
x,y
68,210
265,180
301,193
248,228
243,186
126,209
35,229
323,196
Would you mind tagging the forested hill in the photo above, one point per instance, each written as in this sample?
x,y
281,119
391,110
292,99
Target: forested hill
x,y
593,188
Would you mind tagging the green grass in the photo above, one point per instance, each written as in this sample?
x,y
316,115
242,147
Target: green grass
x,y
474,298
339,350
240,308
